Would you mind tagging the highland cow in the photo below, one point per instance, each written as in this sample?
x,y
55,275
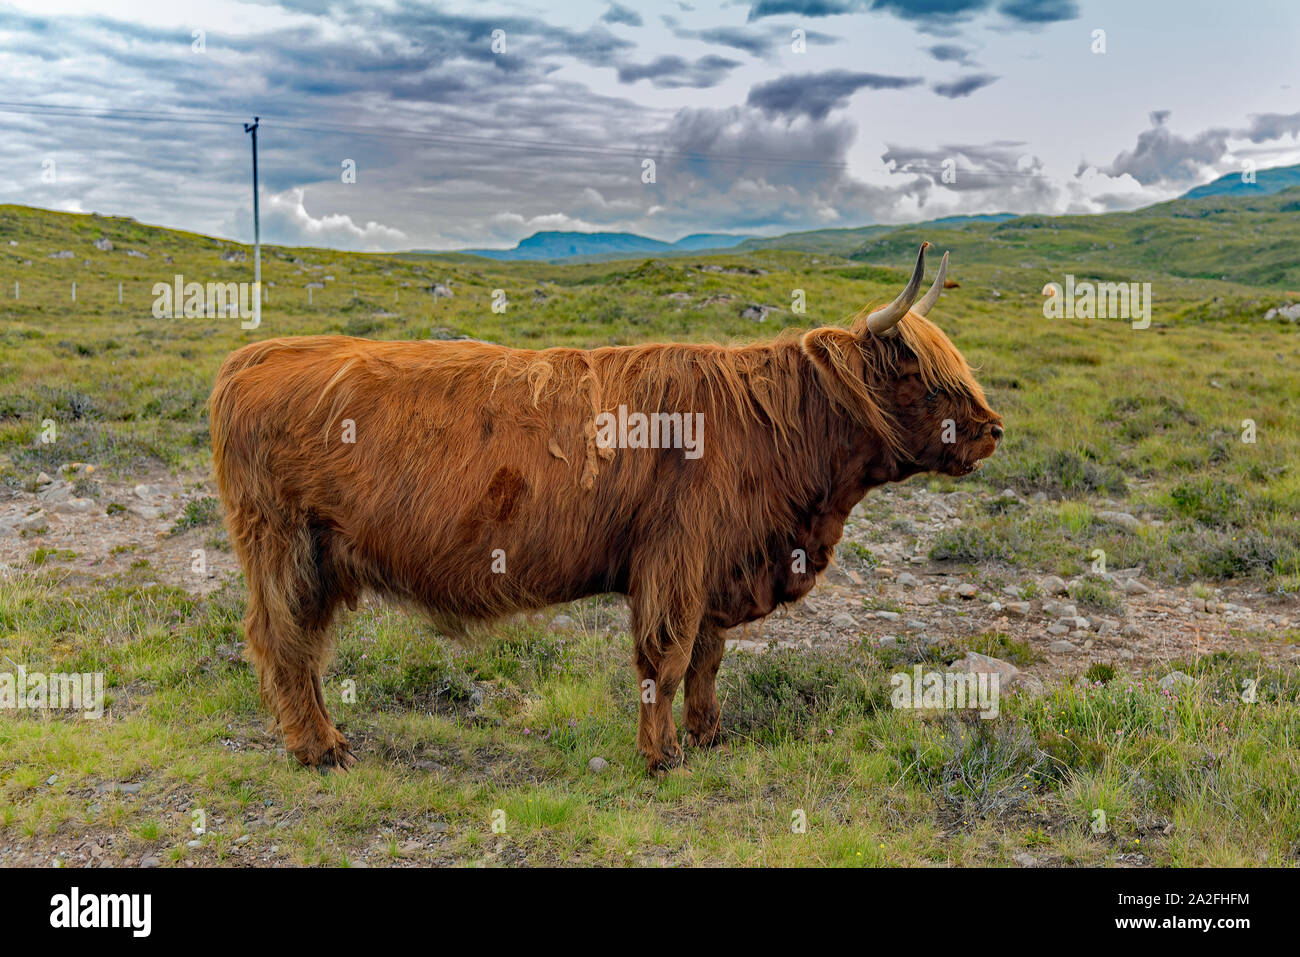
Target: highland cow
x,y
473,480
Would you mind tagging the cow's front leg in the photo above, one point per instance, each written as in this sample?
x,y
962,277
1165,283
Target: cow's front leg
x,y
702,712
660,667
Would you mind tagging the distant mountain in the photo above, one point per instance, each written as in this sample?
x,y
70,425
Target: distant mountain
x,y
551,245
1267,182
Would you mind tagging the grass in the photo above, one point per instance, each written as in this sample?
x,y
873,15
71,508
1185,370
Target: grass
x,y
1099,416
448,776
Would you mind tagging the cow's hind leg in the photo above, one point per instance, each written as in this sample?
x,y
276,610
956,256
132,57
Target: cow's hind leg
x,y
702,713
291,600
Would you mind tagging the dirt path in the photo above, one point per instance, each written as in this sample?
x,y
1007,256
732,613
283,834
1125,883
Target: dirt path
x,y
98,529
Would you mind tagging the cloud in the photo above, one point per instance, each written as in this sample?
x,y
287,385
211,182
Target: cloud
x,y
762,43
1162,156
814,95
1039,11
618,13
285,221
964,86
935,15
672,72
950,53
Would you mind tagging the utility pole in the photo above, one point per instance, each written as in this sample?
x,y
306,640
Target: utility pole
x,y
257,236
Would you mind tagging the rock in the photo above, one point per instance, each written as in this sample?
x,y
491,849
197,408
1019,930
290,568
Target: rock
x,y
915,623
145,511
888,615
1059,609
1011,591
976,663
1027,683
103,244
597,765
62,254
43,479
1062,647
119,787
150,861
440,291
1135,587
145,491
562,623
34,522
906,579
889,641
1174,681
1053,585
1058,629
1107,626
1123,519
757,313
1009,493
74,506
1020,609
995,606
1079,622
967,590
55,492
193,845
843,620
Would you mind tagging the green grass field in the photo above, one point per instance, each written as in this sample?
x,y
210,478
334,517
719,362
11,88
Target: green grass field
x,y
1098,415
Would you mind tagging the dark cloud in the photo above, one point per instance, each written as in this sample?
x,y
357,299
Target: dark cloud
x,y
815,94
672,72
1271,126
964,86
1162,156
1039,11
756,42
950,53
804,8
935,15
621,14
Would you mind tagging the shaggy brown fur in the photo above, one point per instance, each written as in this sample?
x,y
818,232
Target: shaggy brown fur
x,y
467,454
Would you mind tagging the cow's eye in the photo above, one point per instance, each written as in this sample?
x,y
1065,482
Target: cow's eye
x,y
932,395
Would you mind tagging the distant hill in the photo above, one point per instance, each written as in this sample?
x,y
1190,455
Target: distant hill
x,y
1248,239
553,245
841,242
1267,182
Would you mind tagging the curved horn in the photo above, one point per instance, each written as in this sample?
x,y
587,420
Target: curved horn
x,y
931,297
885,318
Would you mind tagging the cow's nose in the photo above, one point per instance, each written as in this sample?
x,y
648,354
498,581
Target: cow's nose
x,y
996,431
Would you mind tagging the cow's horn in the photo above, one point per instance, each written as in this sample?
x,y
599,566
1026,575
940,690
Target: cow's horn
x,y
885,318
927,303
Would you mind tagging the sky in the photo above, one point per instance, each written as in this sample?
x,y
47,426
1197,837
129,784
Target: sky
x,y
424,125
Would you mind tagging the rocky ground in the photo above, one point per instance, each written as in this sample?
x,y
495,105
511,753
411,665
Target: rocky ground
x,y
95,528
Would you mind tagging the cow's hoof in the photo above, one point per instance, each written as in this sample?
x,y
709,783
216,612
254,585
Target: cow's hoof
x,y
336,759
709,739
659,766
